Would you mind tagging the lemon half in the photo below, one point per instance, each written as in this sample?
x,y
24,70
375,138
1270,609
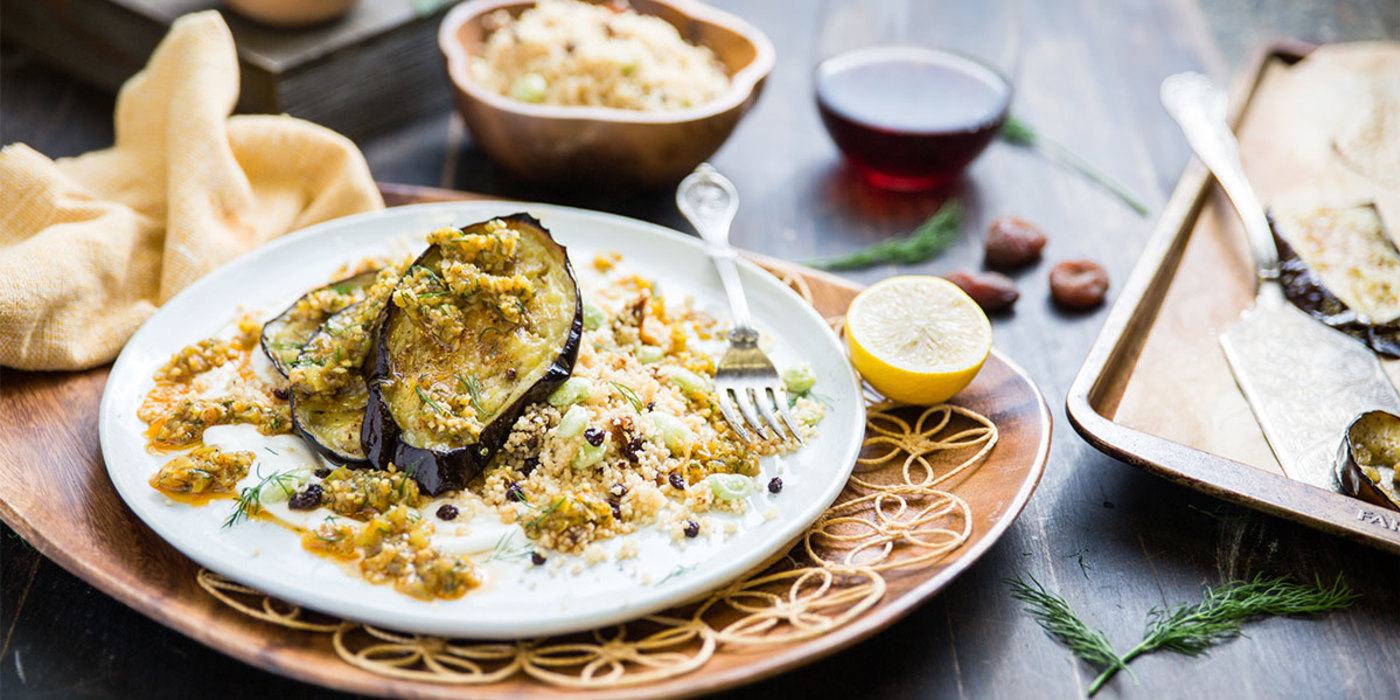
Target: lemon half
x,y
916,339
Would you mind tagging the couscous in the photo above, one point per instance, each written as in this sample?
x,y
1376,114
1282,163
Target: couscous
x,y
573,53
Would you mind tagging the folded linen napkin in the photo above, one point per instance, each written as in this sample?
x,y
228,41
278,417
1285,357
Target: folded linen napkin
x,y
91,246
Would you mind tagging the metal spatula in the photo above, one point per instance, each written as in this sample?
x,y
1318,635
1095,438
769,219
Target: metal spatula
x,y
1304,381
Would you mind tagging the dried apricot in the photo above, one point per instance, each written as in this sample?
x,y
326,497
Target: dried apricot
x,y
1013,242
991,290
1078,284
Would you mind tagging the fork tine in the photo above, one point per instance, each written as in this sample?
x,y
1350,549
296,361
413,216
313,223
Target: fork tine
x,y
763,398
780,400
735,422
746,400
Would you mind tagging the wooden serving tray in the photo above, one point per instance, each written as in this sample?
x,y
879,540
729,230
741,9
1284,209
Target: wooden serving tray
x,y
54,491
1155,390
386,50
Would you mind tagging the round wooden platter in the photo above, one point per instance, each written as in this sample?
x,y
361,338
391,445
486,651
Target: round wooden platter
x,y
55,493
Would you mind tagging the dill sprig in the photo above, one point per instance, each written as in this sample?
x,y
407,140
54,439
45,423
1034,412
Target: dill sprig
x,y
1054,615
428,272
1221,614
428,401
928,240
1018,133
1185,629
511,547
473,387
630,395
250,498
547,512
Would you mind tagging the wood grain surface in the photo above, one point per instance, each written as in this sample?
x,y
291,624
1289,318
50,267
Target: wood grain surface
x,y
1113,540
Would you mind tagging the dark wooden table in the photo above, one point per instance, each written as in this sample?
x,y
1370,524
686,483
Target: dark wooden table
x,y
1114,541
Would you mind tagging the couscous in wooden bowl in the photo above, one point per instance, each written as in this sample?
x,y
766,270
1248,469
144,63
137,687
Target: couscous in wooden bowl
x,y
584,146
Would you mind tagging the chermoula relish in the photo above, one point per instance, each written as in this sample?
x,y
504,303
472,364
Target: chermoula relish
x,y
204,471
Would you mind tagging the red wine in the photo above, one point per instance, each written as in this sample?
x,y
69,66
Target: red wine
x,y
910,118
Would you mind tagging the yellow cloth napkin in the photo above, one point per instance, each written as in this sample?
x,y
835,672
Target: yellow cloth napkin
x,y
91,246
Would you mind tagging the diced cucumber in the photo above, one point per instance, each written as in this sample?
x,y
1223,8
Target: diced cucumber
x,y
589,455
573,390
799,378
729,487
593,317
529,88
688,381
650,354
573,422
674,433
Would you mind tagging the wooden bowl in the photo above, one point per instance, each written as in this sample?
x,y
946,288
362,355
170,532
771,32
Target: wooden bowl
x,y
291,14
588,146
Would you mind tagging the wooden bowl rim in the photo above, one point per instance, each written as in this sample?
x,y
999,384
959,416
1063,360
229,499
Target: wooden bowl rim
x,y
741,85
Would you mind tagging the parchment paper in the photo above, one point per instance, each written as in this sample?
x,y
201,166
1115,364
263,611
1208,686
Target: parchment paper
x,y
1323,132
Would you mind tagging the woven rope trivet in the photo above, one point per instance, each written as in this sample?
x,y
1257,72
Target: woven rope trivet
x,y
892,514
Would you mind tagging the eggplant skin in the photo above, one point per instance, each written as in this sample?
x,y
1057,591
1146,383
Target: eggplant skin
x,y
312,432
330,421
437,471
1304,288
284,335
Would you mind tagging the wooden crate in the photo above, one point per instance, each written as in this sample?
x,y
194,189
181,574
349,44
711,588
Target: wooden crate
x,y
375,67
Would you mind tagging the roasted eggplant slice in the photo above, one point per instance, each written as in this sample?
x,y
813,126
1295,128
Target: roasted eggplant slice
x,y
284,336
1341,267
486,322
1368,457
327,378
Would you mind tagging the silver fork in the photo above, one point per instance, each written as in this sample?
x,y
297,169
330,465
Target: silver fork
x,y
746,380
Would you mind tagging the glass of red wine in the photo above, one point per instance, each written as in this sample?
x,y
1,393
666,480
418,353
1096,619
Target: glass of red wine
x,y
912,91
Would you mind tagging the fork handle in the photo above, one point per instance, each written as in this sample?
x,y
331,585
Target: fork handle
x,y
723,258
709,201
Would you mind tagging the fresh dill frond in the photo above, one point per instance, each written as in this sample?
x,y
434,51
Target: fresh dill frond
x,y
511,547
428,401
250,498
1222,612
428,272
547,512
630,395
1055,616
932,237
473,388
1191,629
1018,133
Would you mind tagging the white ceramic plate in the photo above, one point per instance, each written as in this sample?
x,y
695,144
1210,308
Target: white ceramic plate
x,y
516,599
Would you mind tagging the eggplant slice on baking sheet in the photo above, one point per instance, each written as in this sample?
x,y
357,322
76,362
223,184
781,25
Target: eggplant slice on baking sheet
x,y
485,322
1339,266
1367,459
284,335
